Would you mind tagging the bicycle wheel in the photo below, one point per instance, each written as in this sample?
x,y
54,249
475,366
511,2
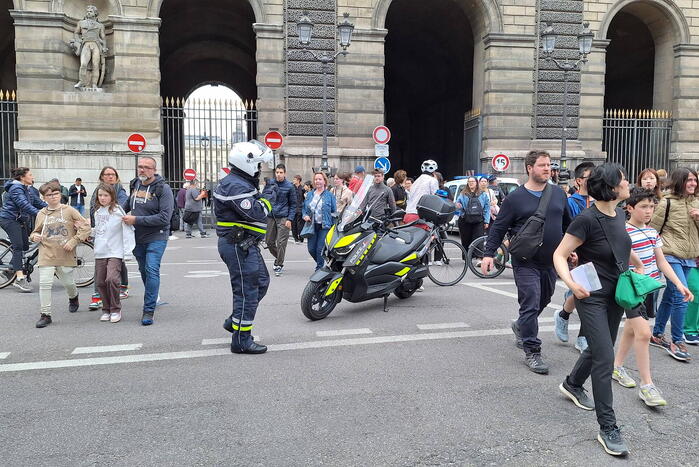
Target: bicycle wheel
x,y
85,271
6,277
447,262
475,255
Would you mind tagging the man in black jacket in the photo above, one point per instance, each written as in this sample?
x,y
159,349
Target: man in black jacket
x,y
279,220
297,221
535,279
77,194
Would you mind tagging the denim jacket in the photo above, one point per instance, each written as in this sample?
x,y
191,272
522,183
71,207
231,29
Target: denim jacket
x,y
329,207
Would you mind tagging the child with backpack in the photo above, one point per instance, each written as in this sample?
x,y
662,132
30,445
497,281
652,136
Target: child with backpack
x,y
58,230
474,212
646,243
114,242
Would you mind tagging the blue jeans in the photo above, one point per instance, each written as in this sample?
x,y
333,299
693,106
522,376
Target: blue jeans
x,y
149,256
673,306
316,244
80,208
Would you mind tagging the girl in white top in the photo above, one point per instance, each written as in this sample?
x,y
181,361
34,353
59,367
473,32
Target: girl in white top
x,y
114,242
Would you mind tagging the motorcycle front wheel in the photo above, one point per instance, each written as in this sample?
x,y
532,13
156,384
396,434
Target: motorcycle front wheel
x,y
315,304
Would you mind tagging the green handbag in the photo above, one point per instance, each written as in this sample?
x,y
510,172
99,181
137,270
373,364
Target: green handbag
x,y
631,287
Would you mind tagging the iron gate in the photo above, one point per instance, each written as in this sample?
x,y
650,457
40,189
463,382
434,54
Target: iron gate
x,y
8,133
198,134
473,137
638,139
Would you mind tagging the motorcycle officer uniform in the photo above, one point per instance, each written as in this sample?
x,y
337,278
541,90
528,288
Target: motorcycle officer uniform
x,y
241,215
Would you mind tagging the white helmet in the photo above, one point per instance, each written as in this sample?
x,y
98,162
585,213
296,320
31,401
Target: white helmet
x,y
248,156
429,166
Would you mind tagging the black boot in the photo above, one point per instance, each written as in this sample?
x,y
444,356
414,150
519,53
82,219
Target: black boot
x,y
44,321
73,304
242,342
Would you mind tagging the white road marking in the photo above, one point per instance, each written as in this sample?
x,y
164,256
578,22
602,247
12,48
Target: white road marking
x,y
505,293
4,355
489,282
79,362
343,332
106,348
427,327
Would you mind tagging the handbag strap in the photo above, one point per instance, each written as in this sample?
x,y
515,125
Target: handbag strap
x,y
667,214
544,202
619,264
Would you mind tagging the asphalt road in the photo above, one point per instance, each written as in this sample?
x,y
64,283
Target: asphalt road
x,y
434,381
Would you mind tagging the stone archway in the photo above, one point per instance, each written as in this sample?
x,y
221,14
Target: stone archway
x,y
8,75
207,41
433,75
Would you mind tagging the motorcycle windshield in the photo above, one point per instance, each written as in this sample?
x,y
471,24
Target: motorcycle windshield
x,y
351,211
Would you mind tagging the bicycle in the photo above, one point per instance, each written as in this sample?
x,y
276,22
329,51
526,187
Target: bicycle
x,y
476,251
84,272
446,259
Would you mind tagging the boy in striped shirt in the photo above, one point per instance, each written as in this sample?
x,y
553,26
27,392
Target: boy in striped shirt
x,y
647,245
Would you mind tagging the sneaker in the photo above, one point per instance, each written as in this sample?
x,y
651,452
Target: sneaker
x,y
690,339
611,440
536,363
518,337
678,351
73,304
204,235
560,327
115,317
123,293
23,285
188,236
577,394
420,289
651,396
44,321
621,376
659,341
95,303
581,343
105,317
147,318
277,271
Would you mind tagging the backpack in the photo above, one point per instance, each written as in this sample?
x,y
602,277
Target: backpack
x,y
473,210
530,237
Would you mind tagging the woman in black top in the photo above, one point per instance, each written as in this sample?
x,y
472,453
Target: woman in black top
x,y
598,235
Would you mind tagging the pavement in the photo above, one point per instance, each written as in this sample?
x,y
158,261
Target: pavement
x,y
436,380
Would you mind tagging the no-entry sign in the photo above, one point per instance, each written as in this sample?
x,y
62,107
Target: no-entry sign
x,y
274,140
136,142
500,162
382,135
189,174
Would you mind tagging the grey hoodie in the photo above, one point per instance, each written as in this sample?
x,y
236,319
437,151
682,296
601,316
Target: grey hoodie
x,y
152,205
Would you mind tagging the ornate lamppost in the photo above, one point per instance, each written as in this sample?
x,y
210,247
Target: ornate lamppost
x,y
548,42
305,30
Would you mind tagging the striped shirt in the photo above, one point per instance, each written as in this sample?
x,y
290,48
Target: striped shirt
x,y
643,242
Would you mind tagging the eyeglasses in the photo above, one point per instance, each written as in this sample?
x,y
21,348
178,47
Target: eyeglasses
x,y
55,193
109,175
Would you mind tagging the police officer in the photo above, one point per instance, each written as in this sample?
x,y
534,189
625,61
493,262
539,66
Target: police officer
x,y
241,215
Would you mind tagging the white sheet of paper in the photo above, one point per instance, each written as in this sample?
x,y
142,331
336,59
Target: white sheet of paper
x,y
586,276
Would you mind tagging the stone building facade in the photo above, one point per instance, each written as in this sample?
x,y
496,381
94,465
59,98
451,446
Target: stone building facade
x,y
414,65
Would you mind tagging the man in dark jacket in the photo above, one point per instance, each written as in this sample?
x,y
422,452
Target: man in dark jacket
x,y
78,194
279,220
150,206
297,222
535,279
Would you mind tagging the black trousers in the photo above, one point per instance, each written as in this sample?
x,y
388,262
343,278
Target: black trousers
x,y
599,317
469,232
18,236
535,287
296,226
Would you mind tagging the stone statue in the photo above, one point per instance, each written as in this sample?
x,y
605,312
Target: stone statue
x,y
90,45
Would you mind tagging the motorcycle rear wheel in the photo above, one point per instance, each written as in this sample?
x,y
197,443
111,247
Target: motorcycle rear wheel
x,y
315,305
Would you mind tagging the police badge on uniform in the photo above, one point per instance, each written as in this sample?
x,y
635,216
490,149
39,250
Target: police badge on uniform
x,y
245,204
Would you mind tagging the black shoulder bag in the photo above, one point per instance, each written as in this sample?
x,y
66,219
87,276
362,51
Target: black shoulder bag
x,y
530,237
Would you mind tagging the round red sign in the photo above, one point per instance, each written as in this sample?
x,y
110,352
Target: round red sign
x,y
274,140
189,174
136,142
500,162
382,135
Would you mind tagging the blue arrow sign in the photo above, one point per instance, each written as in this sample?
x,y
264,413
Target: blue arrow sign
x,y
382,163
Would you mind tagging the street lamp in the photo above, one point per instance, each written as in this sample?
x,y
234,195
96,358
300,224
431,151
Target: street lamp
x,y
548,44
305,30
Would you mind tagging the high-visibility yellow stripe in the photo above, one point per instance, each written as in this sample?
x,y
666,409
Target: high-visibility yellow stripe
x,y
241,328
402,272
267,203
333,286
329,236
344,241
238,224
409,258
